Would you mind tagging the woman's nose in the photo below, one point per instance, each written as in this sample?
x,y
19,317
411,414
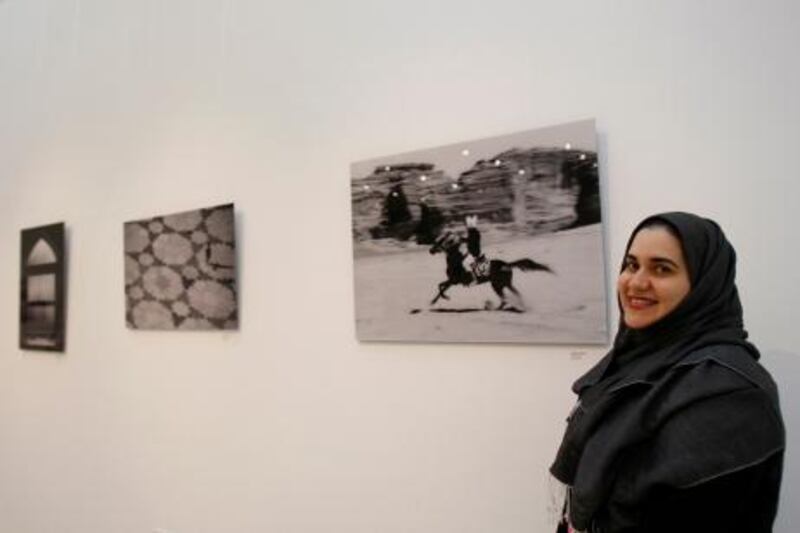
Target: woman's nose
x,y
640,279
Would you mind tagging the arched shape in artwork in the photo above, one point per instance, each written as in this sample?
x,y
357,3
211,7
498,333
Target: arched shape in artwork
x,y
41,254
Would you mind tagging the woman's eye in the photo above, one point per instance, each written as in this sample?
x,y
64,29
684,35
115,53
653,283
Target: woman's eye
x,y
631,266
663,269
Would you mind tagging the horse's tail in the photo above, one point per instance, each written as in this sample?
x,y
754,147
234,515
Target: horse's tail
x,y
528,265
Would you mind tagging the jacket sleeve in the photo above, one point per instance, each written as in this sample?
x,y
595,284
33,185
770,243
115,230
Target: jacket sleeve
x,y
714,465
744,501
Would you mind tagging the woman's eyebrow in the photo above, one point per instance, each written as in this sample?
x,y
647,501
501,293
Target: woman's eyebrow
x,y
665,260
656,260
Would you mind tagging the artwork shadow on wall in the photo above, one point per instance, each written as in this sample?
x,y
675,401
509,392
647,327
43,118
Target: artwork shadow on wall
x,y
180,271
494,240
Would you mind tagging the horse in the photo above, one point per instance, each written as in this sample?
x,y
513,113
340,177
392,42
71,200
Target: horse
x,y
500,272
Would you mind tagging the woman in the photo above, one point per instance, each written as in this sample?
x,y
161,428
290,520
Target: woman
x,y
678,428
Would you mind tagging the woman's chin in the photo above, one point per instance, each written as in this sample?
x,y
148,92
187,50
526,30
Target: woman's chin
x,y
638,320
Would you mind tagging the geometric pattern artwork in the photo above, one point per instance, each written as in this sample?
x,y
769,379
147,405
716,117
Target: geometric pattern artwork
x,y
180,271
497,239
42,289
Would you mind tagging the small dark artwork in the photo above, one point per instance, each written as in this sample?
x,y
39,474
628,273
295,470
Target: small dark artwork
x,y
180,271
493,240
42,289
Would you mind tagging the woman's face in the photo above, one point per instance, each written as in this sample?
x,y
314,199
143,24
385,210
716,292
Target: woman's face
x,y
655,278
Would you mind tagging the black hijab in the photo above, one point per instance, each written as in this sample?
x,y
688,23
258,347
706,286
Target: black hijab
x,y
616,397
710,314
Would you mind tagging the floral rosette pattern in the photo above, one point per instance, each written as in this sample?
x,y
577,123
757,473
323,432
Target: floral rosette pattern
x,y
180,271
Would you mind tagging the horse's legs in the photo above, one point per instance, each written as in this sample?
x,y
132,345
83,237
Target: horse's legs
x,y
520,301
443,286
497,285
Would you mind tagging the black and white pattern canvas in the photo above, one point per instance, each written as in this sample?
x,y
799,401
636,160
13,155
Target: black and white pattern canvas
x,y
42,289
494,240
180,271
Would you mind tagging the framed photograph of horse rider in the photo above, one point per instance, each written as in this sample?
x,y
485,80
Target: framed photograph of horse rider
x,y
42,308
493,240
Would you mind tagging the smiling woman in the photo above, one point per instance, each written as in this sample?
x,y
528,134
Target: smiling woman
x,y
654,277
678,428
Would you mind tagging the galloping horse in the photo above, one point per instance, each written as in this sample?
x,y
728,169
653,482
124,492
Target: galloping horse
x,y
500,273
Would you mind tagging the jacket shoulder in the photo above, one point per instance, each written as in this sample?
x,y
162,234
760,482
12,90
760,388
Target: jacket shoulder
x,y
722,359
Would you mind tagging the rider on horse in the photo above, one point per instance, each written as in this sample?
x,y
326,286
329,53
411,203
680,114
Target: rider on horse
x,y
470,267
476,261
466,263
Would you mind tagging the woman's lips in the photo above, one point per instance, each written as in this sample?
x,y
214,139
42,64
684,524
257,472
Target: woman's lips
x,y
639,302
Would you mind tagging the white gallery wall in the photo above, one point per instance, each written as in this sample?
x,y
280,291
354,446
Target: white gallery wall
x,y
113,111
